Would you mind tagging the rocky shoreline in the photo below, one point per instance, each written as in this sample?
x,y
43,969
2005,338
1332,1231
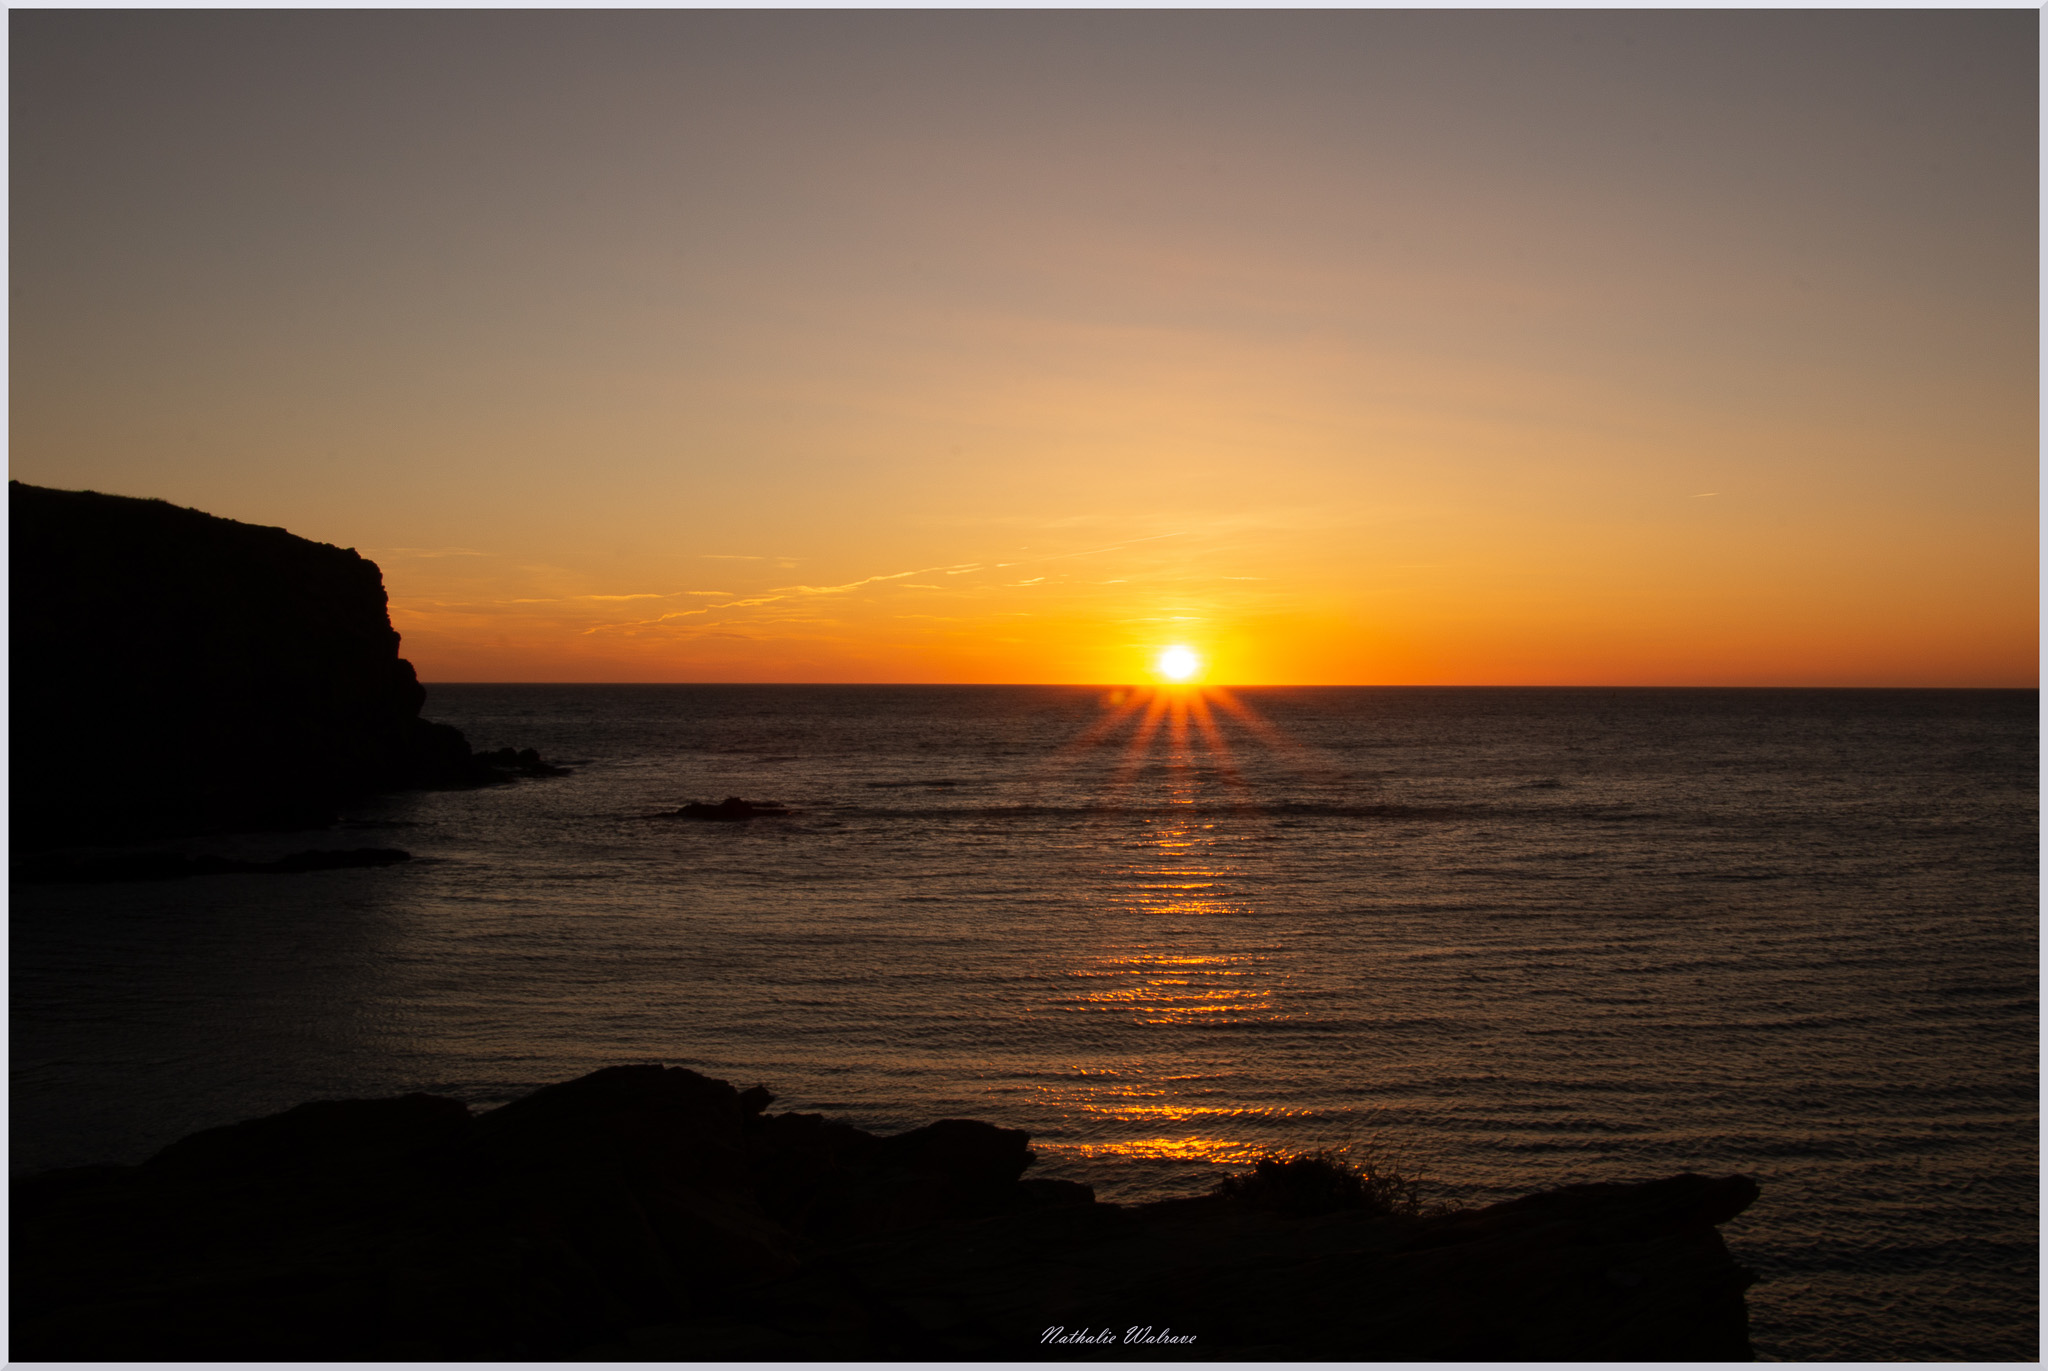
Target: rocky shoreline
x,y
647,1213
175,673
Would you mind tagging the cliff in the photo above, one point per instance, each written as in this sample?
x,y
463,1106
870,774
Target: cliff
x,y
649,1213
174,672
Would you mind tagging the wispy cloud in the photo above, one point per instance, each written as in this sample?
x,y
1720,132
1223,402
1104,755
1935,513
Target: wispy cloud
x,y
644,623
777,595
777,602
423,552
850,585
636,595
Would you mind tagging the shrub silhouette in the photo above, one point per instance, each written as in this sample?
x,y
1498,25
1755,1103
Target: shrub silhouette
x,y
1323,1182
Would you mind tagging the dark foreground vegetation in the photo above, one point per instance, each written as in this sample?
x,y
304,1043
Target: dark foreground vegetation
x,y
649,1213
174,673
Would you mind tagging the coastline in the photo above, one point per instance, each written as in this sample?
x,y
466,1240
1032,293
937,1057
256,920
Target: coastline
x,y
647,1213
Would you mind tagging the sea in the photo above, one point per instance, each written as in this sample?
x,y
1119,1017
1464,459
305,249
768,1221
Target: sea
x,y
1501,939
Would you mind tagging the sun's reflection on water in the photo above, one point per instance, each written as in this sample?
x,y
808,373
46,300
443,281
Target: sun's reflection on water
x,y
1166,987
1216,1151
1174,963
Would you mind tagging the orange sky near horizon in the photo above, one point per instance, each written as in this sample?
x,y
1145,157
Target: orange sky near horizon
x,y
1360,347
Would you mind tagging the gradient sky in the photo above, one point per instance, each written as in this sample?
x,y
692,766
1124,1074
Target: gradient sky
x,y
1346,347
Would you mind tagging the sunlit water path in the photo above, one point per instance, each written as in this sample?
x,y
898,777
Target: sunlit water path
x,y
1514,938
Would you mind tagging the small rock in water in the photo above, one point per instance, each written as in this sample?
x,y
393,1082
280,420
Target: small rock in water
x,y
506,762
732,808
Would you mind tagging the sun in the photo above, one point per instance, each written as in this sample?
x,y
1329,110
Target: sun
x,y
1178,664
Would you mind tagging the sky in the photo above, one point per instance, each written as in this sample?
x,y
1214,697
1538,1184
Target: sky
x,y
1342,347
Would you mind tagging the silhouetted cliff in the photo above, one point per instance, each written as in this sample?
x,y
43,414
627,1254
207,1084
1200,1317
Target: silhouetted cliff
x,y
645,1213
173,672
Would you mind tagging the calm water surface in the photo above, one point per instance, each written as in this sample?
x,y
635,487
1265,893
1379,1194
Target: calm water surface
x,y
1514,938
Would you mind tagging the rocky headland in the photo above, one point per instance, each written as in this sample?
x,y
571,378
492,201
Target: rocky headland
x,y
177,673
650,1213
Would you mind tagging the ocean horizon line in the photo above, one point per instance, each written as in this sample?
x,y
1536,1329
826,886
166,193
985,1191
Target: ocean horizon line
x,y
1208,685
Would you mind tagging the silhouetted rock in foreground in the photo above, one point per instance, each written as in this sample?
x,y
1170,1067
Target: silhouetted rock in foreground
x,y
173,672
649,1213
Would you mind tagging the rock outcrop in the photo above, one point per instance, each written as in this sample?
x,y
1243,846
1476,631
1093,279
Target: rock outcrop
x,y
732,809
174,672
650,1213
